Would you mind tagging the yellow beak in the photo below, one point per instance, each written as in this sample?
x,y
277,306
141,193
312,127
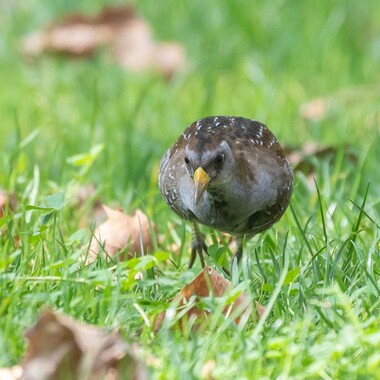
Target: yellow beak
x,y
201,180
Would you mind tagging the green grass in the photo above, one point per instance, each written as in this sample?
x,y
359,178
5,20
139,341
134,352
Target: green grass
x,y
317,269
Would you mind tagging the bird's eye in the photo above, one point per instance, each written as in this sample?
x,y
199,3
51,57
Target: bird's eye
x,y
219,158
187,161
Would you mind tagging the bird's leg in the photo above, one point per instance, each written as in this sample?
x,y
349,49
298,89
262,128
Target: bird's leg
x,y
238,254
198,245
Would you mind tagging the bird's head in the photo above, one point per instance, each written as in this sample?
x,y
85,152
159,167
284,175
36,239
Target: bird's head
x,y
209,168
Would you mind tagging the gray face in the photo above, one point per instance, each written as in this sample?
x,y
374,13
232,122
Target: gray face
x,y
217,163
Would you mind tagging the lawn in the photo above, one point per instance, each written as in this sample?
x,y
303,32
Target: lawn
x,y
317,271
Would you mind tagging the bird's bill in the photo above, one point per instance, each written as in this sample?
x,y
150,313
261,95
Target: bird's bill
x,y
201,180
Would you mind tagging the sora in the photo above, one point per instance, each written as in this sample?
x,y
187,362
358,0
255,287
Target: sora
x,y
228,173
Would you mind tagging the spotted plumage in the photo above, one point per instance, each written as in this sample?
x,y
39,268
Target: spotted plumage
x,y
247,181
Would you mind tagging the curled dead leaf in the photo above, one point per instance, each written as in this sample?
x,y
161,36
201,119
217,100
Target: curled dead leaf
x,y
206,283
78,34
77,40
133,48
136,50
120,231
130,38
61,348
168,58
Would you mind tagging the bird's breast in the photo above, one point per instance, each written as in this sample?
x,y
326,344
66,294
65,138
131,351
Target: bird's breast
x,y
219,214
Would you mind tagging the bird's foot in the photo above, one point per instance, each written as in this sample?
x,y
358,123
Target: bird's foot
x,y
198,246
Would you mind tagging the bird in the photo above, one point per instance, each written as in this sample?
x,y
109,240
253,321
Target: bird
x,y
229,173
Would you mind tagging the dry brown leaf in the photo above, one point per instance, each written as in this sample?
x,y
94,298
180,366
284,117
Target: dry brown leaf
x,y
61,348
209,281
79,34
12,373
119,231
136,50
130,38
168,58
133,48
77,40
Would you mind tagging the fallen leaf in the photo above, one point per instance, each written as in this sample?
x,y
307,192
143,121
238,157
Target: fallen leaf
x,y
120,231
129,37
208,282
134,47
78,34
136,50
77,40
168,58
61,348
12,373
